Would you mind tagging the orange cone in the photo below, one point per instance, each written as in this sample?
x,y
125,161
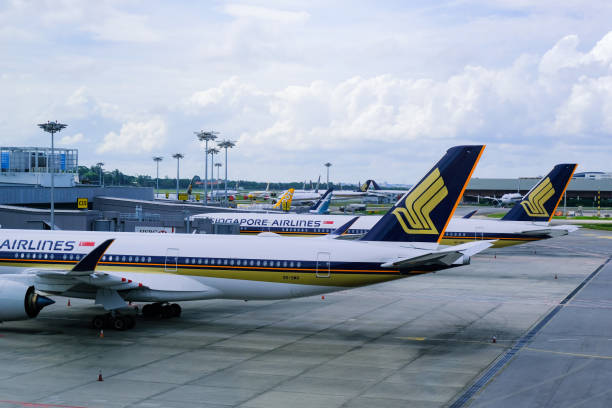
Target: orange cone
x,y
100,376
323,297
101,333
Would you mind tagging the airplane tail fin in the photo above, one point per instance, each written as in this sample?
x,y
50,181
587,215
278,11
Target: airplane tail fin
x,y
541,202
284,202
375,185
423,213
364,187
322,205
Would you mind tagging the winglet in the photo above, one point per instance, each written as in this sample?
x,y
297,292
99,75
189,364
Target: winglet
x,y
90,261
469,215
345,227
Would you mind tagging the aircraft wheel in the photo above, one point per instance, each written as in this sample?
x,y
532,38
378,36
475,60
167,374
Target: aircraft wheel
x,y
98,322
130,321
147,311
120,323
167,312
176,310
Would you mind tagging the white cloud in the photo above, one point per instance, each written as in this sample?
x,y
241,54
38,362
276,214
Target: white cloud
x,y
265,13
71,141
135,137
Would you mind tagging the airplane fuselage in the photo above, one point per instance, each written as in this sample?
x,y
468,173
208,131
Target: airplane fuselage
x,y
459,230
218,266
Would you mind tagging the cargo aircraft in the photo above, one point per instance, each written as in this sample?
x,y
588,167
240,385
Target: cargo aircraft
x,y
525,222
114,268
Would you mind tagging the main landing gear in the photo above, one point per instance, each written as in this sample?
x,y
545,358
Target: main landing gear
x,y
161,310
125,321
113,320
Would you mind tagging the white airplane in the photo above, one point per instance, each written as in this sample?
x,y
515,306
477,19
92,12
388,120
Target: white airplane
x,y
283,203
524,223
114,268
505,199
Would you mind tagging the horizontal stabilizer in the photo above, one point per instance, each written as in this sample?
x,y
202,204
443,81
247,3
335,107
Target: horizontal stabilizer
x,y
445,257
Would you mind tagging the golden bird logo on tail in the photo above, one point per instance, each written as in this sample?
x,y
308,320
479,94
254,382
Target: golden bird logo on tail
x,y
534,204
420,202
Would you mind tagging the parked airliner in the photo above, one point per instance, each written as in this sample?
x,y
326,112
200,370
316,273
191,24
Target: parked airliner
x,y
114,268
525,222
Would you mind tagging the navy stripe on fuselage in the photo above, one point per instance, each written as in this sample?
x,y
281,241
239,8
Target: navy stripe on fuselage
x,y
137,261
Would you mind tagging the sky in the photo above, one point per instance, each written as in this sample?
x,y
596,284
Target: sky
x,y
379,89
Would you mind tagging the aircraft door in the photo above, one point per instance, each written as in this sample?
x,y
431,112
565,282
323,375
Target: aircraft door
x,y
171,259
479,233
323,264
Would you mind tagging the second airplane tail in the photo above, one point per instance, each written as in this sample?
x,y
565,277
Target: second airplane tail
x,y
322,205
423,213
541,202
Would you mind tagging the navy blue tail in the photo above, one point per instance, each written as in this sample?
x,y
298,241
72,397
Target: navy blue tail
x,y
322,205
541,202
423,213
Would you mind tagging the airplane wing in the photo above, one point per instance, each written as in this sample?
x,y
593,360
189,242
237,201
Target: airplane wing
x,y
449,256
108,285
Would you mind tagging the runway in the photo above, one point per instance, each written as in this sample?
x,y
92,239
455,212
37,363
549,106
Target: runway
x,y
419,342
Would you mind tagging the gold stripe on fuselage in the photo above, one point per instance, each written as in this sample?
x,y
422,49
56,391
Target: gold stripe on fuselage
x,y
338,277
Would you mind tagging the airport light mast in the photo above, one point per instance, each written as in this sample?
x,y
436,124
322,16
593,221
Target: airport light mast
x,y
52,127
206,136
328,165
157,159
178,158
212,151
100,164
218,166
226,144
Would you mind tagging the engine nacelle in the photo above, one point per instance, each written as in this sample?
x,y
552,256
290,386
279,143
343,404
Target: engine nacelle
x,y
19,301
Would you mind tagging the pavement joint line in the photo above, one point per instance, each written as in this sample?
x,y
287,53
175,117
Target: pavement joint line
x,y
520,344
35,405
569,354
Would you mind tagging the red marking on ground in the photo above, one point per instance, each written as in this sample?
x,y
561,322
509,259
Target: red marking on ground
x,y
34,404
87,243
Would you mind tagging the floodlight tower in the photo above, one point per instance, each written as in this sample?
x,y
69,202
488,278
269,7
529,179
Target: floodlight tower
x,y
218,166
178,157
212,151
100,164
226,144
157,159
52,127
206,136
328,165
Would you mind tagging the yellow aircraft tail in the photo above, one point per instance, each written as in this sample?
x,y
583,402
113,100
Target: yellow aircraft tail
x,y
284,201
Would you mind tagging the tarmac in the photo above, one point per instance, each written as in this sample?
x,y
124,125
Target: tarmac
x,y
424,341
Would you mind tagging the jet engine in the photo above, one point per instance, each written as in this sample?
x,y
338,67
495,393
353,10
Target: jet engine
x,y
19,301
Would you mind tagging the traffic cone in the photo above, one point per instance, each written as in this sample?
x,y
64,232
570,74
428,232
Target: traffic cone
x,y
323,297
101,333
100,376
68,302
